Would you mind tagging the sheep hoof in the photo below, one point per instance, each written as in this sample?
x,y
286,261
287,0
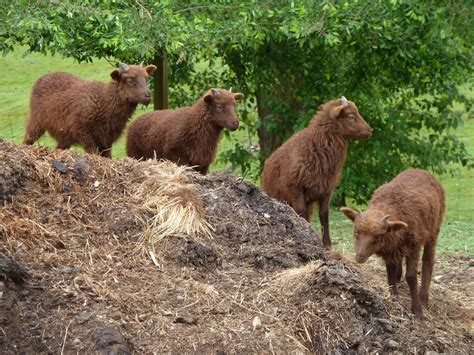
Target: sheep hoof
x,y
327,243
424,299
418,313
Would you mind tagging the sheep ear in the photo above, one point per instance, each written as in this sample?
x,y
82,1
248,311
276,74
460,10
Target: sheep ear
x,y
238,96
396,225
337,111
150,69
115,75
208,98
350,213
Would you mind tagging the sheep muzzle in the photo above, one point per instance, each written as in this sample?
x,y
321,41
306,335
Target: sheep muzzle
x,y
361,258
233,125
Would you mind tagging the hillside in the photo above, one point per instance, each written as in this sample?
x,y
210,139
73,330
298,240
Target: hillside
x,y
126,256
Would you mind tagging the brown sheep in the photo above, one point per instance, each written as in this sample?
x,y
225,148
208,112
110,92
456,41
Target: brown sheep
x,y
403,216
188,135
89,113
307,167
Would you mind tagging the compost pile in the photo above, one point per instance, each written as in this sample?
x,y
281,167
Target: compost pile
x,y
122,256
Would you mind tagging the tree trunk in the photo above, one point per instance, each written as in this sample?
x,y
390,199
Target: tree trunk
x,y
160,82
268,140
269,137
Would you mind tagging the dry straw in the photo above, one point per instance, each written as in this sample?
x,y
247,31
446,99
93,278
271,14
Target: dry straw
x,y
172,202
292,279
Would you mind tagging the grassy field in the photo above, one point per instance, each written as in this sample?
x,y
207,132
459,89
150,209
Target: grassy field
x,y
18,74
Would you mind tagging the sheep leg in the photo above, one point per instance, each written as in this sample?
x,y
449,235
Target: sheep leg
x,y
324,220
426,272
203,169
33,131
399,271
392,269
63,145
88,143
392,274
299,205
310,208
411,278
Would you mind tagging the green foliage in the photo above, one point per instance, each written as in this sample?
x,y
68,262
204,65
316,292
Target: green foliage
x,y
401,61
239,156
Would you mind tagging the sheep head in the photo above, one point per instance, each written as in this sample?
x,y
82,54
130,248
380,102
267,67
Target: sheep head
x,y
221,107
132,82
346,119
372,231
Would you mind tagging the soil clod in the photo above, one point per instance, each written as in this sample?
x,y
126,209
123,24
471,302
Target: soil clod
x,y
59,166
109,341
12,270
186,320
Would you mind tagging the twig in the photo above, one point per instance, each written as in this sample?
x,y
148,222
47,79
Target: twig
x,y
189,305
144,9
254,310
297,342
307,332
65,336
112,63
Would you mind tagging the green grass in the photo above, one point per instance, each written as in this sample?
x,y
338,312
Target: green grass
x,y
19,73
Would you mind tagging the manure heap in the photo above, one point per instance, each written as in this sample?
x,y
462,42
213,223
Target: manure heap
x,y
125,256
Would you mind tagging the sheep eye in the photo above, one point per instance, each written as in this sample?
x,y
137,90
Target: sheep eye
x,y
220,108
376,239
351,119
130,81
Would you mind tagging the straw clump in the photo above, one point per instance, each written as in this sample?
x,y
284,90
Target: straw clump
x,y
172,202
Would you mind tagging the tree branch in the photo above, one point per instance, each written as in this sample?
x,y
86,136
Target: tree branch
x,y
144,9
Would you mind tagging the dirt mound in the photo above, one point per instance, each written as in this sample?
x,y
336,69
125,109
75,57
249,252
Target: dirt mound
x,y
249,276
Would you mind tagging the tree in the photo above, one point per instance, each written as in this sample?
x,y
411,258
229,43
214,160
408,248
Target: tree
x,y
401,61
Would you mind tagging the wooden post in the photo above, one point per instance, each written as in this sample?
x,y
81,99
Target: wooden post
x,y
160,81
